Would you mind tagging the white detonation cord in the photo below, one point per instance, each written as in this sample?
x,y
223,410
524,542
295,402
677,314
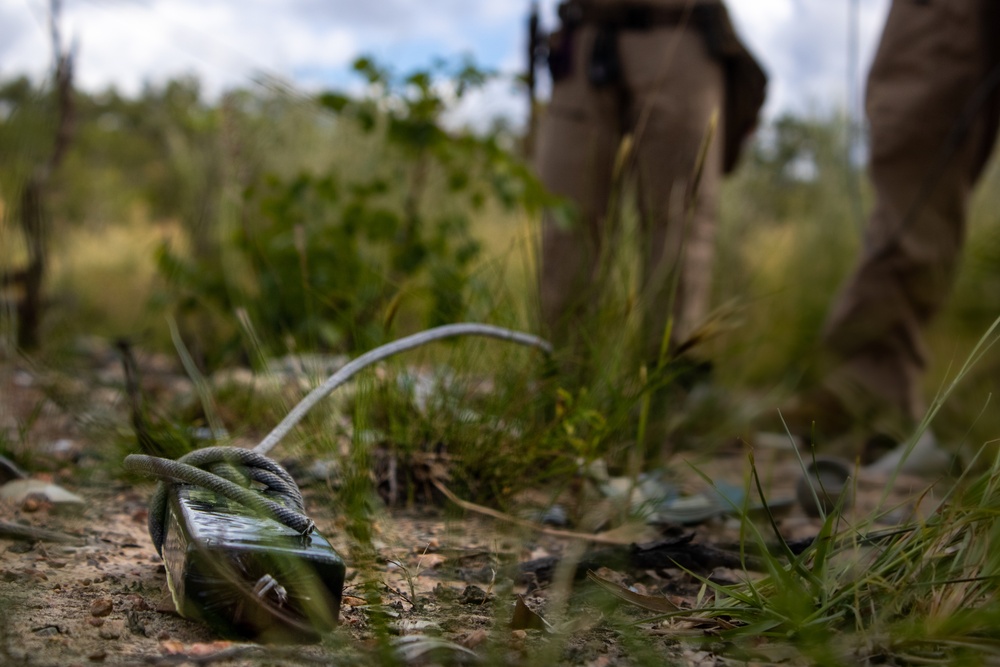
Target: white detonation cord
x,y
383,352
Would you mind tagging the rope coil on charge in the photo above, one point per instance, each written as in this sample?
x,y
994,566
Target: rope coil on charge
x,y
229,472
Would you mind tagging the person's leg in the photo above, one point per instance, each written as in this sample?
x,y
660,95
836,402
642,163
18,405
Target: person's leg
x,y
578,139
926,153
674,86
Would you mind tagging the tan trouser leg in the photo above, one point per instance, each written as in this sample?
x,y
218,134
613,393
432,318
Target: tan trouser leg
x,y
930,61
668,73
677,94
577,141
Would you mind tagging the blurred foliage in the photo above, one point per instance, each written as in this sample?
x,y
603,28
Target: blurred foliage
x,y
322,222
324,259
28,122
790,230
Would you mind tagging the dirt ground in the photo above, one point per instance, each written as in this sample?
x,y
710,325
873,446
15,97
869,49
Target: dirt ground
x,y
443,578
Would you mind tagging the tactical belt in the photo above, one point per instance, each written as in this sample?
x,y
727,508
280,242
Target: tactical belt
x,y
746,82
629,15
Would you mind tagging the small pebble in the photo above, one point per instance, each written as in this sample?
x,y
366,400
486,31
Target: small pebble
x,y
138,603
31,504
474,595
101,607
475,638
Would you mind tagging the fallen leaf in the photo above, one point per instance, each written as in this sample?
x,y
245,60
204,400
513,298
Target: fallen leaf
x,y
651,603
525,619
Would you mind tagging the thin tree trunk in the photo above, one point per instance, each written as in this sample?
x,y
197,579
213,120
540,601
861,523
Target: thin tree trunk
x,y
33,214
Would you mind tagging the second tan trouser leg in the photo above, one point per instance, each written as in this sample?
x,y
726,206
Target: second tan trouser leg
x,y
674,98
929,64
670,88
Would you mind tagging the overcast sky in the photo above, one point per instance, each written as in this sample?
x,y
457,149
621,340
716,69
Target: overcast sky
x,y
803,44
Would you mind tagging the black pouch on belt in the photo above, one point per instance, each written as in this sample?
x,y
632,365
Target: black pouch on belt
x,y
604,67
560,53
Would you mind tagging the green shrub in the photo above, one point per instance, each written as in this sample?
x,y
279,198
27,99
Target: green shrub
x,y
331,259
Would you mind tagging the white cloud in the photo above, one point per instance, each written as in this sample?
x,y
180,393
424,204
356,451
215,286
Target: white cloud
x,y
128,44
804,46
500,98
23,46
